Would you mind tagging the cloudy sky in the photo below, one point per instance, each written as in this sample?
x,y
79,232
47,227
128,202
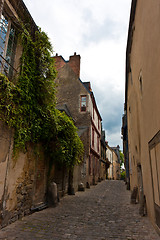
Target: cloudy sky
x,y
97,30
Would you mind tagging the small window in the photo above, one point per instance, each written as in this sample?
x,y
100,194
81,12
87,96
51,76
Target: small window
x,y
130,109
83,103
130,74
140,82
90,166
98,143
92,137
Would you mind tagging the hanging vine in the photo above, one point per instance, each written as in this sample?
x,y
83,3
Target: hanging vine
x,y
29,105
69,147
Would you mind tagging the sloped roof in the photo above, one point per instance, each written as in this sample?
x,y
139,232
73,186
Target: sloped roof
x,y
129,45
64,108
81,130
18,8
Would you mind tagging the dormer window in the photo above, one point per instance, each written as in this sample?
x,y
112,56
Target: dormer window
x,y
83,103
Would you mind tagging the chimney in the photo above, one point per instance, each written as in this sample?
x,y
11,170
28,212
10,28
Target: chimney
x,y
74,63
59,61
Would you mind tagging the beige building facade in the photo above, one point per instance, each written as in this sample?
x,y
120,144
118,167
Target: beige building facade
x,y
116,166
114,159
109,155
142,105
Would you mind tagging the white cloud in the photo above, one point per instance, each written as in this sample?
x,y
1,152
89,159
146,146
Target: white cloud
x,y
104,61
113,138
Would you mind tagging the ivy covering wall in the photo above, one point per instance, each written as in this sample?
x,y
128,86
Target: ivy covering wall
x,y
29,105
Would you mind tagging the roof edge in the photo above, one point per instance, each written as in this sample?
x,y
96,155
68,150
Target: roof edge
x,y
129,45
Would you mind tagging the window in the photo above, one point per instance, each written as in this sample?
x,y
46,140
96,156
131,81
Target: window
x,y
129,109
92,137
98,143
83,103
7,46
130,76
90,166
140,82
101,151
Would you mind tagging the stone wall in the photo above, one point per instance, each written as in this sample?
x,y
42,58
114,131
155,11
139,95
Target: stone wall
x,y
69,91
22,178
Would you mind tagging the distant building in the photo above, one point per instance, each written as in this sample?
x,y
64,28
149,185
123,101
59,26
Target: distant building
x,y
125,148
113,156
109,155
79,99
116,163
104,162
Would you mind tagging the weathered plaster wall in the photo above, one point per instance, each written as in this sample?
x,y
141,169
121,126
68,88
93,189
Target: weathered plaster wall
x,y
116,167
5,143
143,94
109,155
22,178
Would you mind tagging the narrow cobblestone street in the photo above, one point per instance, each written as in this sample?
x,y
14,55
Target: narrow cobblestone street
x,y
103,212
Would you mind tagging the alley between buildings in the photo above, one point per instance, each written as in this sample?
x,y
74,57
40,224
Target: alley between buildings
x,y
102,212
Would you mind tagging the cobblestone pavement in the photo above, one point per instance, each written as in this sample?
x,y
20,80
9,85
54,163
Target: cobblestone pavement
x,y
103,212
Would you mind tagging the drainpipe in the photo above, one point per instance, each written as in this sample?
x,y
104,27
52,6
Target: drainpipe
x,y
112,166
4,197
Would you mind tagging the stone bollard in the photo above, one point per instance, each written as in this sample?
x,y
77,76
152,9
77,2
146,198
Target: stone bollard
x,y
81,187
87,185
52,194
134,195
71,190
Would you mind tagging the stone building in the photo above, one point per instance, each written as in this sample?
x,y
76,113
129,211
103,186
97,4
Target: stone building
x,y
79,99
11,13
141,106
22,180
